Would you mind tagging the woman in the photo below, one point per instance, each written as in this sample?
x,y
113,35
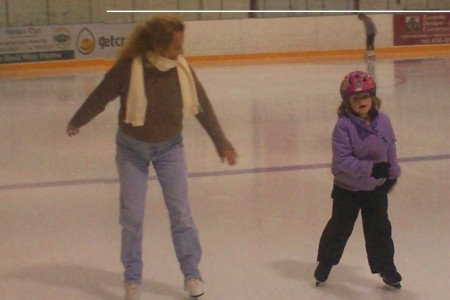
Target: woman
x,y
157,88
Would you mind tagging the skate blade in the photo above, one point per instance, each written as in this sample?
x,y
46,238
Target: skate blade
x,y
196,296
319,283
393,285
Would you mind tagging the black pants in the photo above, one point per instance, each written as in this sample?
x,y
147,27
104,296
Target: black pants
x,y
370,42
376,225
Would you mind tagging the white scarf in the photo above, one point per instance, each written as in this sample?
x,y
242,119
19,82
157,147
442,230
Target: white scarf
x,y
136,99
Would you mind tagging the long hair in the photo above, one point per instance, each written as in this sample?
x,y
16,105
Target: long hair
x,y
155,34
345,106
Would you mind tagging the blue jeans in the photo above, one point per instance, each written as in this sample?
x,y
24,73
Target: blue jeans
x,y
133,159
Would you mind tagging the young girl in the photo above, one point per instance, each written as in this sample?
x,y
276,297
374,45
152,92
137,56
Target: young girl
x,y
365,169
157,88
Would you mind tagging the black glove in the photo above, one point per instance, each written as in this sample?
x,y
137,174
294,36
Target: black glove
x,y
380,170
389,184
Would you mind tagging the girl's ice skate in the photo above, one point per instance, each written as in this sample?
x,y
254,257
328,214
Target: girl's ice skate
x,y
322,272
392,278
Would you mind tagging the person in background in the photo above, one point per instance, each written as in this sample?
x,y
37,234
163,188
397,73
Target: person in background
x,y
157,88
371,31
253,7
365,169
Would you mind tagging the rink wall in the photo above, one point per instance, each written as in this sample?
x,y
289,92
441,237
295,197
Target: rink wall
x,y
214,40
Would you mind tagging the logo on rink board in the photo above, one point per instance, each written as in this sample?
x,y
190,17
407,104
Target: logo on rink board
x,y
85,41
62,38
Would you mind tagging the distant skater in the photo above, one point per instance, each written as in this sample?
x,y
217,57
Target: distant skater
x,y
371,31
365,169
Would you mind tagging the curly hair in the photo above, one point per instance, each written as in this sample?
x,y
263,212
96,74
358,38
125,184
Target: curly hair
x,y
155,34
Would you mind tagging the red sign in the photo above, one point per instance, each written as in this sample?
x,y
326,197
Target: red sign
x,y
421,29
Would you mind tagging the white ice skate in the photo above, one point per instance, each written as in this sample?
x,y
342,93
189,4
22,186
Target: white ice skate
x,y
194,286
132,291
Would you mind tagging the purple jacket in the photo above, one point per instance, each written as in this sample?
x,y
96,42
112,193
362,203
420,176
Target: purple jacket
x,y
357,146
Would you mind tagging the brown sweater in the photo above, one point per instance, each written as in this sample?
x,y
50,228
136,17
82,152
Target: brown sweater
x,y
164,114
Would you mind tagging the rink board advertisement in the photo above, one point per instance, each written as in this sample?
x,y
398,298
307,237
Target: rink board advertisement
x,y
61,42
421,29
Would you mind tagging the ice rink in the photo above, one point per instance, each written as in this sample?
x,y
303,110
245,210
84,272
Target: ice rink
x,y
259,221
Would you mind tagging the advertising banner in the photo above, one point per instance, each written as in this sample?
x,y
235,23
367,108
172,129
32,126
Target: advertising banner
x,y
61,42
30,44
99,40
421,29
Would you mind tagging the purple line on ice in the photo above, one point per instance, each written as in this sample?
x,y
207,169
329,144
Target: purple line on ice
x,y
49,184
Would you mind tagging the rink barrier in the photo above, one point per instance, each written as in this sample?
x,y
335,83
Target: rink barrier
x,y
421,51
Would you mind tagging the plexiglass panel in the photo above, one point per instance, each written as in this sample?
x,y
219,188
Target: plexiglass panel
x,y
44,12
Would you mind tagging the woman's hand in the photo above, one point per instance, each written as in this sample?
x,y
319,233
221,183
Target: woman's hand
x,y
230,156
72,130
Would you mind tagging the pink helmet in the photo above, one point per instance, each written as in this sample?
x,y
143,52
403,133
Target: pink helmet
x,y
357,82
